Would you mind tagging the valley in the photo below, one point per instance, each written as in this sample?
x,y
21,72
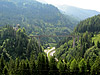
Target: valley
x,y
42,39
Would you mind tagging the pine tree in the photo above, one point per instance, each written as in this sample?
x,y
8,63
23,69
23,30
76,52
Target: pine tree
x,y
95,69
16,68
82,67
11,65
41,64
46,66
32,64
83,50
27,67
5,71
61,67
74,67
53,67
2,64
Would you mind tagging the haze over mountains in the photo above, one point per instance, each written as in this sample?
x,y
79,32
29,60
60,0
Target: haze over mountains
x,y
41,19
78,13
29,13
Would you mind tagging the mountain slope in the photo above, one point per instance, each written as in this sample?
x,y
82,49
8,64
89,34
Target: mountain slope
x,y
91,25
37,18
78,13
17,43
88,45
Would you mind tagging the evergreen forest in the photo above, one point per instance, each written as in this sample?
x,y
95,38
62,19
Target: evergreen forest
x,y
21,54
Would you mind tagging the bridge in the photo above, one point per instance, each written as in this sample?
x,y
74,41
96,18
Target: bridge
x,y
40,36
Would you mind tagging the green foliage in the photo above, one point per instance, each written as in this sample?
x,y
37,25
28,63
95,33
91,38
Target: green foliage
x,y
81,49
95,69
91,25
61,67
2,64
86,52
74,66
42,66
82,66
53,66
21,55
32,64
92,53
96,38
5,71
17,44
36,18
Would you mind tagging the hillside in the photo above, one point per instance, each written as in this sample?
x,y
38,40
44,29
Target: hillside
x,y
17,44
21,55
87,48
91,25
78,13
37,18
89,32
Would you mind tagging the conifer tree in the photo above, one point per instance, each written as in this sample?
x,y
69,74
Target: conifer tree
x,y
32,64
2,64
61,67
53,67
95,69
82,67
5,71
74,67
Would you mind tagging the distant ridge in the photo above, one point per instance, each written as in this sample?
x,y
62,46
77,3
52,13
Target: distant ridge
x,y
76,12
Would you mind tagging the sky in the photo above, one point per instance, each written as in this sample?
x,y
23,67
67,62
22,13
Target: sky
x,y
85,4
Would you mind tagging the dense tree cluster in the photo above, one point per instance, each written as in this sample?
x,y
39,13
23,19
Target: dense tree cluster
x,y
17,43
36,18
82,46
42,66
34,15
21,55
87,49
86,53
91,25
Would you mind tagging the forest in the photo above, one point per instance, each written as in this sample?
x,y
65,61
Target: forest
x,y
36,18
21,54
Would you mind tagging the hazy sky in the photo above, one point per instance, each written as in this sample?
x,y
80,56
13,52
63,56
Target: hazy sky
x,y
86,4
